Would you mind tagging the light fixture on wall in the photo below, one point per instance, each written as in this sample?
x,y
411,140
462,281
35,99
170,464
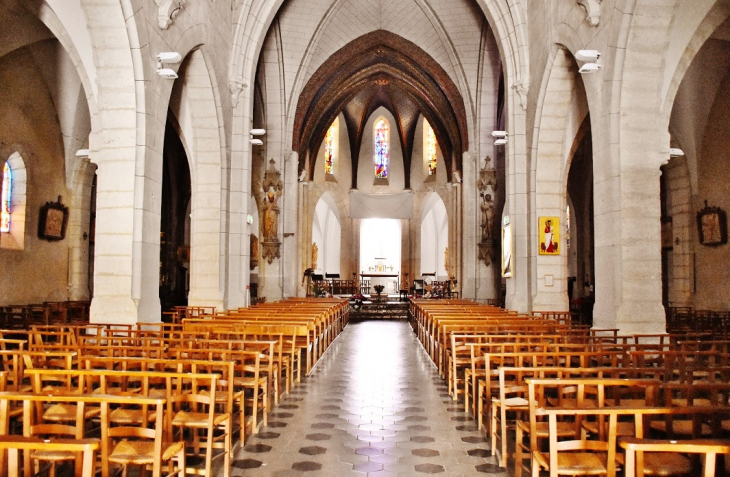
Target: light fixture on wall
x,y
675,152
256,132
589,68
82,153
591,58
501,137
167,58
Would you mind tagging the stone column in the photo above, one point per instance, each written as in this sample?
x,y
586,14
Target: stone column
x,y
291,259
469,230
239,201
517,207
78,234
628,241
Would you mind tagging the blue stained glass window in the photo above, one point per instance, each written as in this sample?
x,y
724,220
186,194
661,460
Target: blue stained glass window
x,y
382,150
7,198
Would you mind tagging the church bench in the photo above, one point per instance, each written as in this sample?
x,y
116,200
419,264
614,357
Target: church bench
x,y
441,340
475,370
487,384
196,389
30,402
302,332
127,373
539,408
570,387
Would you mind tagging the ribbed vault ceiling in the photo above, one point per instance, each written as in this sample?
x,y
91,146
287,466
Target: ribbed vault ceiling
x,y
381,69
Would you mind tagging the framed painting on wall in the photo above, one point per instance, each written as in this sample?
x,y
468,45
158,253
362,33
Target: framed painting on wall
x,y
712,225
548,235
507,267
52,221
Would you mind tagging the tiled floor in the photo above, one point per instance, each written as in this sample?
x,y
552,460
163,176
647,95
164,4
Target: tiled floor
x,y
374,406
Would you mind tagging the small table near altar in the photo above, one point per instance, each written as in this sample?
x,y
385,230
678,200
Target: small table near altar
x,y
388,280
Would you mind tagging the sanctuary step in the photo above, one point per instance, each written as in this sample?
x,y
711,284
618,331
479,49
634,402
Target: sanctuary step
x,y
386,308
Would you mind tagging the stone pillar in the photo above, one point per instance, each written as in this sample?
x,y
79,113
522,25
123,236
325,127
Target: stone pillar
x,y
517,207
469,230
628,244
304,234
78,234
239,202
291,259
679,208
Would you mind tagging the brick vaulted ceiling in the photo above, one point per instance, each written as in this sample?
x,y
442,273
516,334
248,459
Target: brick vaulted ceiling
x,y
381,69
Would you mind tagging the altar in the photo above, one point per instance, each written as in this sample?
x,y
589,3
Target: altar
x,y
388,280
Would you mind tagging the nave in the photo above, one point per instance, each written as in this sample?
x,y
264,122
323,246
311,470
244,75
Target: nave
x,y
374,405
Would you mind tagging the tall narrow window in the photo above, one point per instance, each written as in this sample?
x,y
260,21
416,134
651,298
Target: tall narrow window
x,y
567,226
330,147
382,149
429,147
7,198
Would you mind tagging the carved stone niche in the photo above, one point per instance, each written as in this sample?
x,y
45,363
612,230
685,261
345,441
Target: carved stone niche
x,y
254,261
593,8
167,10
488,251
270,251
272,188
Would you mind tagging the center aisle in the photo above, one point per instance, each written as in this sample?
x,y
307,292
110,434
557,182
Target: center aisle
x,y
374,405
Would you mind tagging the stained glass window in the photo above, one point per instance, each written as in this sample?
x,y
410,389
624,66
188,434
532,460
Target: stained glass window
x,y
329,149
430,149
382,149
7,198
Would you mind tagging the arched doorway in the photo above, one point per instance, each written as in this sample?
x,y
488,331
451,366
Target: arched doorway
x,y
174,223
434,239
579,235
693,182
326,238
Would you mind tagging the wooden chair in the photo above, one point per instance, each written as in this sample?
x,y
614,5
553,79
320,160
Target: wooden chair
x,y
637,452
41,429
193,408
14,444
580,455
136,444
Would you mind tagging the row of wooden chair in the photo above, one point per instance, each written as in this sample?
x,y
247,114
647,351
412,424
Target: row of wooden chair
x,y
254,357
474,346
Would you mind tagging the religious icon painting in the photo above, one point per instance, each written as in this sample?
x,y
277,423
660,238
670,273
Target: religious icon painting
x,y
548,235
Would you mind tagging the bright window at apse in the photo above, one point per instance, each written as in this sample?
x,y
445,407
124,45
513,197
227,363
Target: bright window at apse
x,y
382,152
431,156
329,149
7,198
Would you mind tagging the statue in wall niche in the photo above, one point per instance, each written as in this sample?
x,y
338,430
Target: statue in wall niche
x,y
487,223
254,252
315,254
272,187
487,176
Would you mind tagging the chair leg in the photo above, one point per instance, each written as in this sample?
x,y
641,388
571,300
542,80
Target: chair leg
x,y
492,433
480,408
518,450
